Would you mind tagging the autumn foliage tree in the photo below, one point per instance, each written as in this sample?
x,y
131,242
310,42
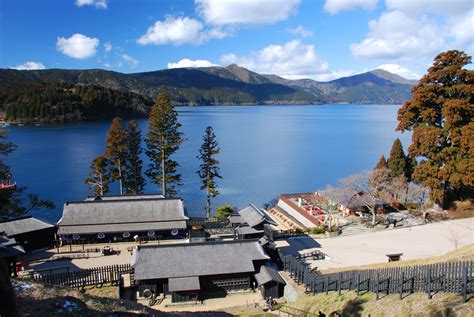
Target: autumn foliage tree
x,y
440,114
163,140
99,178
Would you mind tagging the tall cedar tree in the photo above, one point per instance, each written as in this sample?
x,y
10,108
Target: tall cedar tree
x,y
209,169
440,114
13,202
397,162
163,140
99,176
115,150
382,163
133,180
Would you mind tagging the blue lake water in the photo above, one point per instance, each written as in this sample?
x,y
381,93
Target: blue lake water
x,y
266,150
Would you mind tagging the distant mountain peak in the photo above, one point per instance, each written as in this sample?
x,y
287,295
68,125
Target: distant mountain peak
x,y
382,73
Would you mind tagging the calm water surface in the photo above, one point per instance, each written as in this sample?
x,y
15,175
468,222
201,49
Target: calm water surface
x,y
266,150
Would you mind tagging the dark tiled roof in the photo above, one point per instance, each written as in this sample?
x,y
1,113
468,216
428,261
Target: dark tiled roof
x,y
254,216
196,259
23,225
236,218
122,215
268,274
178,284
247,230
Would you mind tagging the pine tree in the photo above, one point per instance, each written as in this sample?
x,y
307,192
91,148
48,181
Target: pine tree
x,y
115,150
397,162
382,163
440,114
209,169
163,140
133,180
99,177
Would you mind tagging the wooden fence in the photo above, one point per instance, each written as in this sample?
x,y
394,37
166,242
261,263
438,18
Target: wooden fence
x,y
80,278
453,277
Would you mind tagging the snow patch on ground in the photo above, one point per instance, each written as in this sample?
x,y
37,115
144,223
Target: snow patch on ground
x,y
21,286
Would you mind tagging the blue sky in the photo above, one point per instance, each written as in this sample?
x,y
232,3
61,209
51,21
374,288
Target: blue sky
x,y
315,39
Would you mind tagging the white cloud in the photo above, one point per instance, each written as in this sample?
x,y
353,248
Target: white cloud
x,y
411,30
221,12
178,31
396,35
461,28
78,46
291,60
107,65
441,7
300,30
97,3
336,6
399,70
107,47
191,63
132,62
30,65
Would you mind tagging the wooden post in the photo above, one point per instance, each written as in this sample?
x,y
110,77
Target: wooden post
x,y
358,284
428,290
327,285
377,287
401,284
464,284
339,283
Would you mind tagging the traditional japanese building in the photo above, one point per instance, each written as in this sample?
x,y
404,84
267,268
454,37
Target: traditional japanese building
x,y
270,283
29,232
255,222
122,218
188,272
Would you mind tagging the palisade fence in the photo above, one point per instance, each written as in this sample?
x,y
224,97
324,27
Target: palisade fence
x,y
94,276
453,277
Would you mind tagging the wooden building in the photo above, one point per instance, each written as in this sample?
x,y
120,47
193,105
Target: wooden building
x,y
270,283
110,219
191,271
10,250
255,222
29,232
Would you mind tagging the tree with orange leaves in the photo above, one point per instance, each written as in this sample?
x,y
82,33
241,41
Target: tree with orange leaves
x,y
440,114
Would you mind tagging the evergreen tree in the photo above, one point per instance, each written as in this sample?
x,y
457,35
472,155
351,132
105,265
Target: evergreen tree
x,y
99,177
133,180
209,168
382,163
440,114
115,150
163,140
397,162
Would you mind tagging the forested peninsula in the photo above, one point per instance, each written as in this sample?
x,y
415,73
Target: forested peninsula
x,y
60,102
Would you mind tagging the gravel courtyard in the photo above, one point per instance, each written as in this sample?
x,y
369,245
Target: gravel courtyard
x,y
423,241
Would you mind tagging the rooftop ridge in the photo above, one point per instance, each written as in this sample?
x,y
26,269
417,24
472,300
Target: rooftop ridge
x,y
196,244
119,200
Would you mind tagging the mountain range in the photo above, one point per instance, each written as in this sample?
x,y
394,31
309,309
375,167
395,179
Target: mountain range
x,y
230,85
